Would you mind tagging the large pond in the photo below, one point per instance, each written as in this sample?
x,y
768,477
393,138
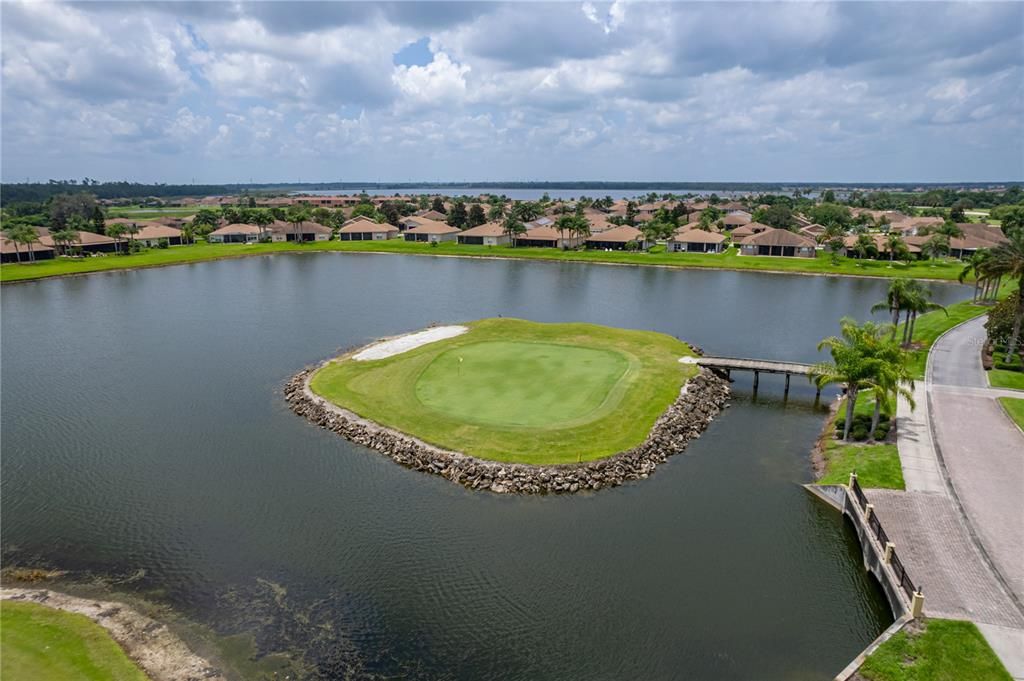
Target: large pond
x,y
145,438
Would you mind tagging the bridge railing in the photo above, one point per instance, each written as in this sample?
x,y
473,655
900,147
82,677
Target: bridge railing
x,y
890,557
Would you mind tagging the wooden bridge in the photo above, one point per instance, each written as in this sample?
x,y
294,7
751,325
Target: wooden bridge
x,y
768,366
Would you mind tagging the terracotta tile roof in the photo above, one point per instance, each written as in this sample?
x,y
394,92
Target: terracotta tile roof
x,y
486,229
698,236
362,226
623,234
425,226
236,228
778,237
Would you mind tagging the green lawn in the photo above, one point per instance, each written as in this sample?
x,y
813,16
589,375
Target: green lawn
x,y
143,213
1003,378
877,465
1015,408
945,270
524,391
933,324
43,644
946,650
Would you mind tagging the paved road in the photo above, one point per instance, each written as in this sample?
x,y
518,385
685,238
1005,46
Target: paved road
x,y
982,450
960,525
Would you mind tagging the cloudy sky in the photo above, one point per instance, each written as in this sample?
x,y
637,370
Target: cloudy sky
x,y
222,92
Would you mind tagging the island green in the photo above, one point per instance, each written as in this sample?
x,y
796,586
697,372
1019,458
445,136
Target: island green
x,y
519,391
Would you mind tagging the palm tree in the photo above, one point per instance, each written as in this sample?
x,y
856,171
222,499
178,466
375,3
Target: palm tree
x,y
262,219
864,245
975,266
935,246
296,216
115,231
895,298
894,242
890,381
853,361
21,235
63,238
1007,260
917,301
513,228
131,229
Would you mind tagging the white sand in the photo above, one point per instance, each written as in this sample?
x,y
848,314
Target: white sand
x,y
396,346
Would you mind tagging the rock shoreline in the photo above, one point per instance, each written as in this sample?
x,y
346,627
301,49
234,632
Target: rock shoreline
x,y
699,401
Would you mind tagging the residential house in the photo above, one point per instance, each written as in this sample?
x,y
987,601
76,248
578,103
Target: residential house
x,y
736,219
778,242
303,231
813,231
432,231
617,239
9,251
546,236
487,234
364,229
235,233
696,241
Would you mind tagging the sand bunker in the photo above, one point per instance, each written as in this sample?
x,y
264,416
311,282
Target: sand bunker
x,y
396,346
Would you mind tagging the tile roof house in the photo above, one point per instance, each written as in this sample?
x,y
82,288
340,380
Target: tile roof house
x,y
778,242
431,230
235,233
487,234
303,231
365,229
696,241
617,239
546,236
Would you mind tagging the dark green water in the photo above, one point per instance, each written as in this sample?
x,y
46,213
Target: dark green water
x,y
143,429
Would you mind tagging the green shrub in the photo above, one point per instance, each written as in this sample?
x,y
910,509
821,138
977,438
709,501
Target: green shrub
x,y
163,243
859,433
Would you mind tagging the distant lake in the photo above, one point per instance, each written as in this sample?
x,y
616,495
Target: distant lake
x,y
534,194
146,441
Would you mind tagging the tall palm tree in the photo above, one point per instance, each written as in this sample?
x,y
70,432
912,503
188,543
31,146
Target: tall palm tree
x,y
296,216
63,238
115,231
895,298
262,219
1008,260
975,267
513,227
890,381
853,361
894,242
12,233
918,301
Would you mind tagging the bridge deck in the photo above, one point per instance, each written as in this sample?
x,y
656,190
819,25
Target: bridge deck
x,y
766,365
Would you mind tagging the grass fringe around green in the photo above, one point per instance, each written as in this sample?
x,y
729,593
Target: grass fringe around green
x,y
822,264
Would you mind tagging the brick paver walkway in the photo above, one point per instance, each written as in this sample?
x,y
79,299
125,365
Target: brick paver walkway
x,y
959,527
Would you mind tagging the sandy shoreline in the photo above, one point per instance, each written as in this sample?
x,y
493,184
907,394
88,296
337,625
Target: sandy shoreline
x,y
160,653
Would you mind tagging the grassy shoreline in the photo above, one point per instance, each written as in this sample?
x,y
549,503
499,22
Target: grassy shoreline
x,y
821,265
39,642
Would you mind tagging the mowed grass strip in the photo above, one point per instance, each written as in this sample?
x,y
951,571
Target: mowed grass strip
x,y
44,644
947,270
526,392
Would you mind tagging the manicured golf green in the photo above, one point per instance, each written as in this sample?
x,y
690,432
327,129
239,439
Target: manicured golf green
x,y
44,644
520,391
